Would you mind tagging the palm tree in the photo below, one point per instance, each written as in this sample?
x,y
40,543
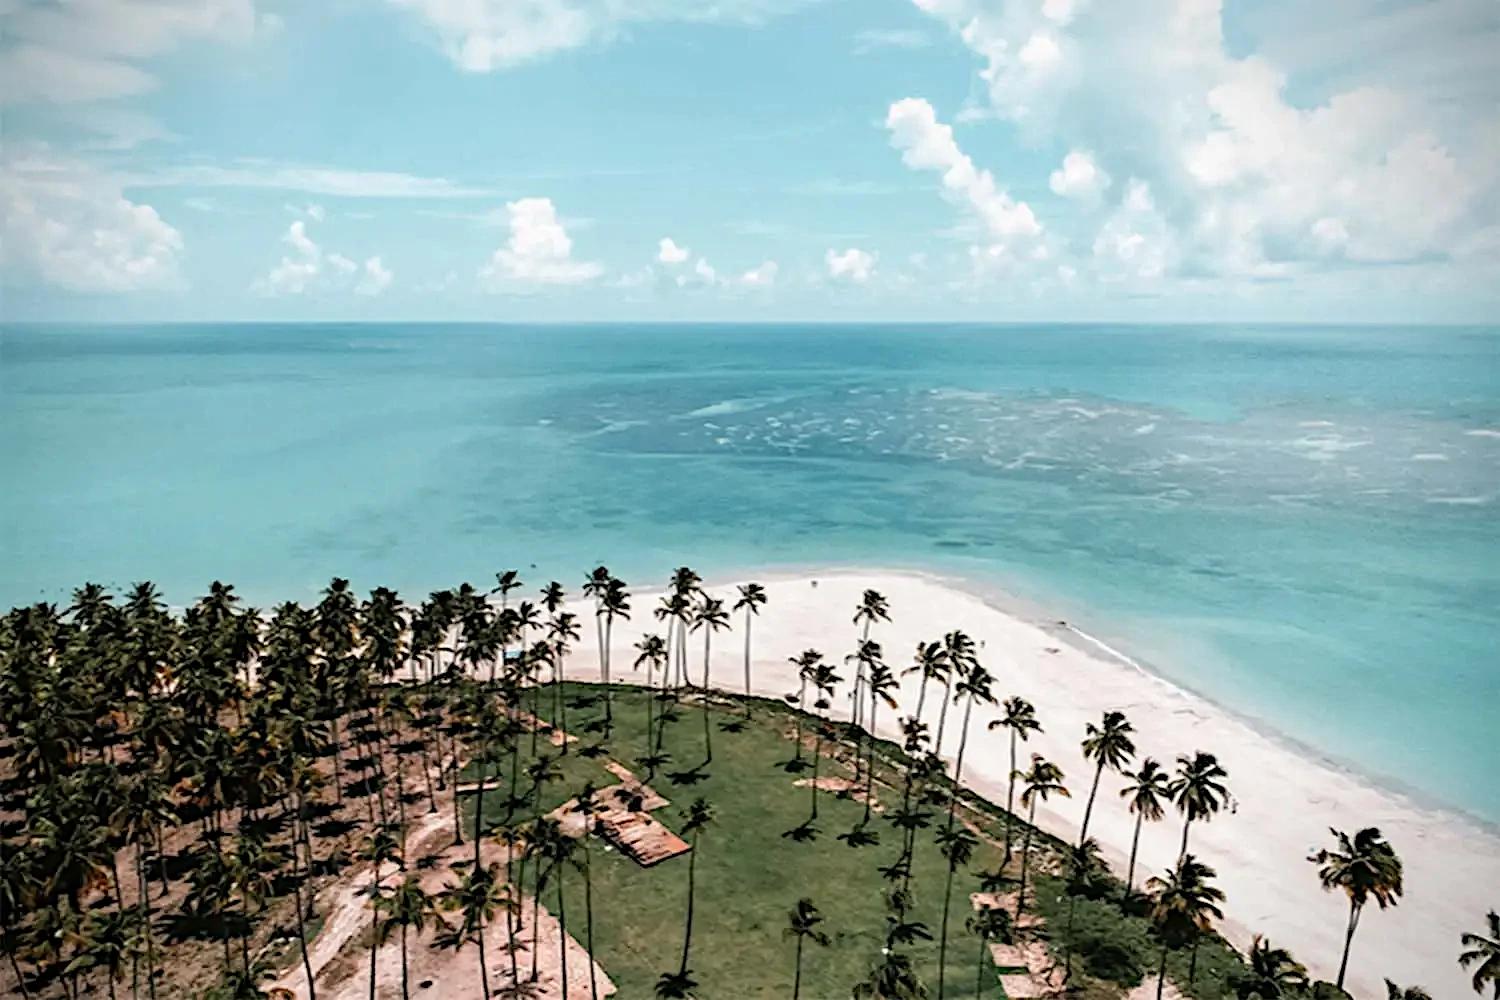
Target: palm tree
x,y
957,846
752,599
613,603
1273,973
802,923
476,897
824,680
931,662
555,848
699,815
1365,868
973,688
881,681
961,659
406,908
872,608
1394,992
653,653
1020,719
989,923
1146,792
1110,745
1043,779
1184,907
106,940
710,617
1198,790
1484,953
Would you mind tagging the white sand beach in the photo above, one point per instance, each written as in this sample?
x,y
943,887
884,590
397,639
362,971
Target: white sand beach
x,y
1284,801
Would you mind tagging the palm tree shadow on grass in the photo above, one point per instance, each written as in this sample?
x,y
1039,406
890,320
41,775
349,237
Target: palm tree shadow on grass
x,y
803,833
689,777
795,765
737,725
860,836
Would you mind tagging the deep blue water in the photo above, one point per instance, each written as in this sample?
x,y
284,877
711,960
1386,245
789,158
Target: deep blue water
x,y
1299,523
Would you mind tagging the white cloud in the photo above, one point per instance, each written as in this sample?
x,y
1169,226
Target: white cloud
x,y
927,144
1242,174
72,226
1079,177
88,50
853,265
481,36
539,251
376,279
1135,243
316,180
307,267
704,271
874,39
670,253
762,276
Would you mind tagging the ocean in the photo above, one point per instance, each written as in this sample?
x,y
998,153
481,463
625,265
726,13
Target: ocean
x,y
1299,523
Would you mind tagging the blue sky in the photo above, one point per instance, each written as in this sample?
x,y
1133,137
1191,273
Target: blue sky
x,y
750,159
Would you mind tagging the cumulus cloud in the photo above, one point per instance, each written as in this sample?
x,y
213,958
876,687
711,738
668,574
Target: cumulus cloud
x,y
376,278
70,225
307,267
1135,243
854,265
539,251
481,36
762,276
928,144
1245,180
1079,177
669,252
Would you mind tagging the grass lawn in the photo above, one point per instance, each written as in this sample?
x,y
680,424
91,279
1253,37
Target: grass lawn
x,y
748,875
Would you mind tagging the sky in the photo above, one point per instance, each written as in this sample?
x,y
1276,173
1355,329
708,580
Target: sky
x,y
822,160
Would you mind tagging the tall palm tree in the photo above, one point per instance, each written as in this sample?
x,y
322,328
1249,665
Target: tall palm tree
x,y
1198,790
752,599
803,923
1273,973
881,682
476,897
555,848
1365,868
710,617
1109,745
931,663
406,908
957,846
805,662
680,983
872,608
613,603
1394,992
1184,907
1147,790
653,653
973,689
961,659
1041,780
824,680
1483,952
1020,718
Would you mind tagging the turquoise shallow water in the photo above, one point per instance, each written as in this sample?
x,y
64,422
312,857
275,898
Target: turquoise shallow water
x,y
1299,523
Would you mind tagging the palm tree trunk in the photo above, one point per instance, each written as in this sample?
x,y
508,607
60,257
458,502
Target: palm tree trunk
x,y
312,993
937,744
562,936
797,976
870,765
943,933
588,919
1010,798
374,948
958,764
747,656
1193,960
1025,860
1135,842
1348,940
708,740
143,885
1088,809
484,966
1182,851
405,988
609,708
979,970
687,935
1161,973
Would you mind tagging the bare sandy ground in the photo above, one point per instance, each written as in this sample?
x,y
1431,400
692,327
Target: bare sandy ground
x,y
340,954
1284,801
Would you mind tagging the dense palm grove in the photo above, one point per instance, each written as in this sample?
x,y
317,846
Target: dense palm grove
x,y
178,789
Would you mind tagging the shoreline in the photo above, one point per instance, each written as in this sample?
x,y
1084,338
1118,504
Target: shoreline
x,y
1285,795
1013,605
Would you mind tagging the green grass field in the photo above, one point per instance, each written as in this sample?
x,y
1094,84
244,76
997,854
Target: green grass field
x,y
750,875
